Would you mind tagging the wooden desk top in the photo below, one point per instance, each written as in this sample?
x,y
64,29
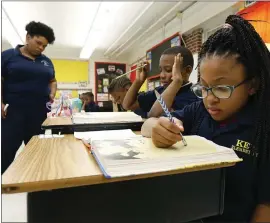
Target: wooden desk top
x,y
53,121
54,163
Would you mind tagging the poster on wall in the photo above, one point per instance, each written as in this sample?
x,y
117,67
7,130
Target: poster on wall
x,y
111,68
175,41
102,97
101,71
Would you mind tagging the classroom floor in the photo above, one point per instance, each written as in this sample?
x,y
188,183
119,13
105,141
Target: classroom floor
x,y
14,207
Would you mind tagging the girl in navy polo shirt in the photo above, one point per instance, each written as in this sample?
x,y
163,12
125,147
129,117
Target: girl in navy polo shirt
x,y
28,83
234,83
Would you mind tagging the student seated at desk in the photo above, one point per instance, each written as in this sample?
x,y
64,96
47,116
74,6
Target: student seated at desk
x,y
234,69
89,104
118,89
175,71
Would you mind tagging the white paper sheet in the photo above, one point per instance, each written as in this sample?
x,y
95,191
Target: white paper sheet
x,y
103,135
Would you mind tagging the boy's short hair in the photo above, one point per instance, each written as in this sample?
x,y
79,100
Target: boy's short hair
x,y
89,94
116,84
185,53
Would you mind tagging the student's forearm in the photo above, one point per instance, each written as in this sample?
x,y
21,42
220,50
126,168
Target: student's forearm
x,y
168,95
147,126
131,96
262,213
53,87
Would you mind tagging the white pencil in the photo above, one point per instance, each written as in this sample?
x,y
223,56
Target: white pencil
x,y
6,106
131,71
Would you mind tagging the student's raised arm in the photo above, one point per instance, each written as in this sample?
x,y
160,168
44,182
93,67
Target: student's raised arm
x,y
130,101
170,92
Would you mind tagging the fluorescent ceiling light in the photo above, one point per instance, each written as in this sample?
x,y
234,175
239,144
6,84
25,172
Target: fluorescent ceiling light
x,y
9,31
129,27
105,14
149,28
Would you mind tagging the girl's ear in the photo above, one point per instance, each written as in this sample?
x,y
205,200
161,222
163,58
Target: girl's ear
x,y
254,86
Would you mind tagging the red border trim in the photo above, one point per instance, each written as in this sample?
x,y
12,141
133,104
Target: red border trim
x,y
251,8
153,77
170,37
109,63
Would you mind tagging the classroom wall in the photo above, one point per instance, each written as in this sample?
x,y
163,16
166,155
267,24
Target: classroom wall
x,y
201,15
192,18
68,73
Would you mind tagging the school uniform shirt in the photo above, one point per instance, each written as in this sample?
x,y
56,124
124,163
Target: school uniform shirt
x,y
246,186
92,107
183,97
26,81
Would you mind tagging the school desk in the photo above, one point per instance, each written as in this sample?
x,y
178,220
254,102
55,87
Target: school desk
x,y
65,126
66,185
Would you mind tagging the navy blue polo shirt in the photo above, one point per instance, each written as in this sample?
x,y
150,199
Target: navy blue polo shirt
x,y
25,80
92,107
246,186
183,97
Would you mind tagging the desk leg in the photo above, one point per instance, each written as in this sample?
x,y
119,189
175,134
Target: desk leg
x,y
167,199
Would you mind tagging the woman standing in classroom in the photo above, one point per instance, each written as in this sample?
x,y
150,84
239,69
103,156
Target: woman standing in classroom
x,y
28,83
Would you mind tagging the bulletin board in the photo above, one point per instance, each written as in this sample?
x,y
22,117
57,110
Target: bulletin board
x,y
72,72
105,72
153,55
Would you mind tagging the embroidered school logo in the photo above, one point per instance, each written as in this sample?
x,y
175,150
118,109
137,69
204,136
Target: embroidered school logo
x,y
244,147
45,63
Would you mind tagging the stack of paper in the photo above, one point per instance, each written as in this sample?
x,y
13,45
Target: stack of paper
x,y
105,117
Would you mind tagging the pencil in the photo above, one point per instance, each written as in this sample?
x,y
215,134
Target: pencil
x,y
131,71
168,114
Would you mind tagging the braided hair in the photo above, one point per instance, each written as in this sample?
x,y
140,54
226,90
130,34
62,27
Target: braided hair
x,y
238,38
119,83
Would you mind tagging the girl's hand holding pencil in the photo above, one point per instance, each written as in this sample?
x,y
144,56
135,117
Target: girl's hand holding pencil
x,y
166,133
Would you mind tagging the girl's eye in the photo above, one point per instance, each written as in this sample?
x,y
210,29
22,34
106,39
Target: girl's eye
x,y
168,70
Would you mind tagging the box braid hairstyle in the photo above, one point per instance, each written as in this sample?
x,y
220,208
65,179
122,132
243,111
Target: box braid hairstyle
x,y
239,38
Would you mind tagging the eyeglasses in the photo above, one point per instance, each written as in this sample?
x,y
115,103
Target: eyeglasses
x,y
219,91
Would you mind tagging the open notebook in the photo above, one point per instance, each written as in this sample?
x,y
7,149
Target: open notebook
x,y
105,117
136,155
